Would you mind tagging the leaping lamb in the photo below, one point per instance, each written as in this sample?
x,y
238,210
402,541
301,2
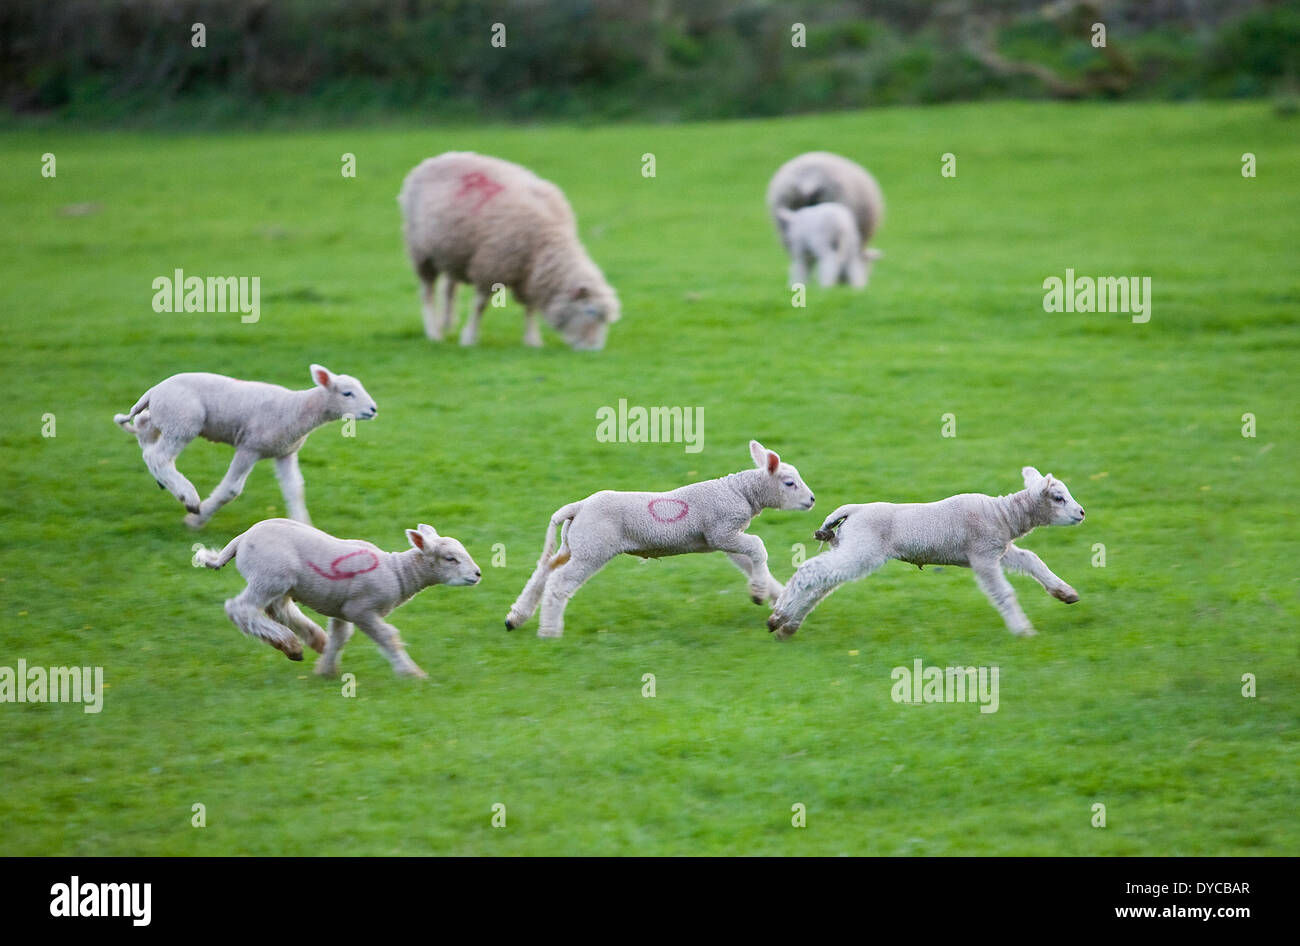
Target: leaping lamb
x,y
702,517
971,530
351,581
259,420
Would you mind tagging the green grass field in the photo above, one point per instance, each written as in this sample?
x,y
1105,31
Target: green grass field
x,y
1131,698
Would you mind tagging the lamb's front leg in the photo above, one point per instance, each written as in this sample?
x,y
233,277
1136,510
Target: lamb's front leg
x,y
291,485
1023,560
231,485
390,642
994,584
339,633
743,562
762,585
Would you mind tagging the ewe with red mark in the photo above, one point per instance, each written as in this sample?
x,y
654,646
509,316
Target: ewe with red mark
x,y
472,218
258,420
277,558
702,517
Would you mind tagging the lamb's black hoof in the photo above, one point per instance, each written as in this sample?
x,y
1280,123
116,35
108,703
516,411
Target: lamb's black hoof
x,y
160,484
509,626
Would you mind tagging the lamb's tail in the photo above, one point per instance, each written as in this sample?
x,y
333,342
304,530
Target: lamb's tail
x,y
562,515
827,532
531,596
214,559
126,421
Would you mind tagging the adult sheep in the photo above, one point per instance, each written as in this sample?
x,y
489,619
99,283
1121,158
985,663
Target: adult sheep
x,y
477,219
819,177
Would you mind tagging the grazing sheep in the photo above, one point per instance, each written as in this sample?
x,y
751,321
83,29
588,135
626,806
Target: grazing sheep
x,y
819,177
971,530
702,517
348,580
827,235
258,420
478,219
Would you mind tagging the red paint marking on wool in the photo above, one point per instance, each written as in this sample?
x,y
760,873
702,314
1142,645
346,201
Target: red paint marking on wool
x,y
681,513
484,186
340,574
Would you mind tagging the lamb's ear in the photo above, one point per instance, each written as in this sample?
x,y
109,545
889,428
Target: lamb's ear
x,y
759,453
416,539
1032,476
321,375
872,253
428,530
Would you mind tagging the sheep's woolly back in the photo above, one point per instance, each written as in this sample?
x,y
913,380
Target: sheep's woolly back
x,y
483,220
819,177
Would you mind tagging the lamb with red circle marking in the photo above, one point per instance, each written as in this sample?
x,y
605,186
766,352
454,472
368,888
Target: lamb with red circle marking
x,y
351,581
703,517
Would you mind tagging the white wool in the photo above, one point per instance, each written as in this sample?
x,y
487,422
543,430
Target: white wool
x,y
259,420
702,517
971,530
826,235
477,219
351,581
819,177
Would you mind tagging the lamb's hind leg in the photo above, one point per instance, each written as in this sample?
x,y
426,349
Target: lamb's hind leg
x,y
160,457
287,613
248,612
561,585
1025,561
994,584
531,596
814,580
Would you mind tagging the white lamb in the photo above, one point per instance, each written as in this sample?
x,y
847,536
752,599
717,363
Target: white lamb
x,y
819,177
826,234
351,581
258,420
702,517
971,530
473,218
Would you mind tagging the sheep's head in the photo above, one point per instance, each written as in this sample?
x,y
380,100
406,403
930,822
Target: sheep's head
x,y
785,487
347,397
1054,501
447,560
583,314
